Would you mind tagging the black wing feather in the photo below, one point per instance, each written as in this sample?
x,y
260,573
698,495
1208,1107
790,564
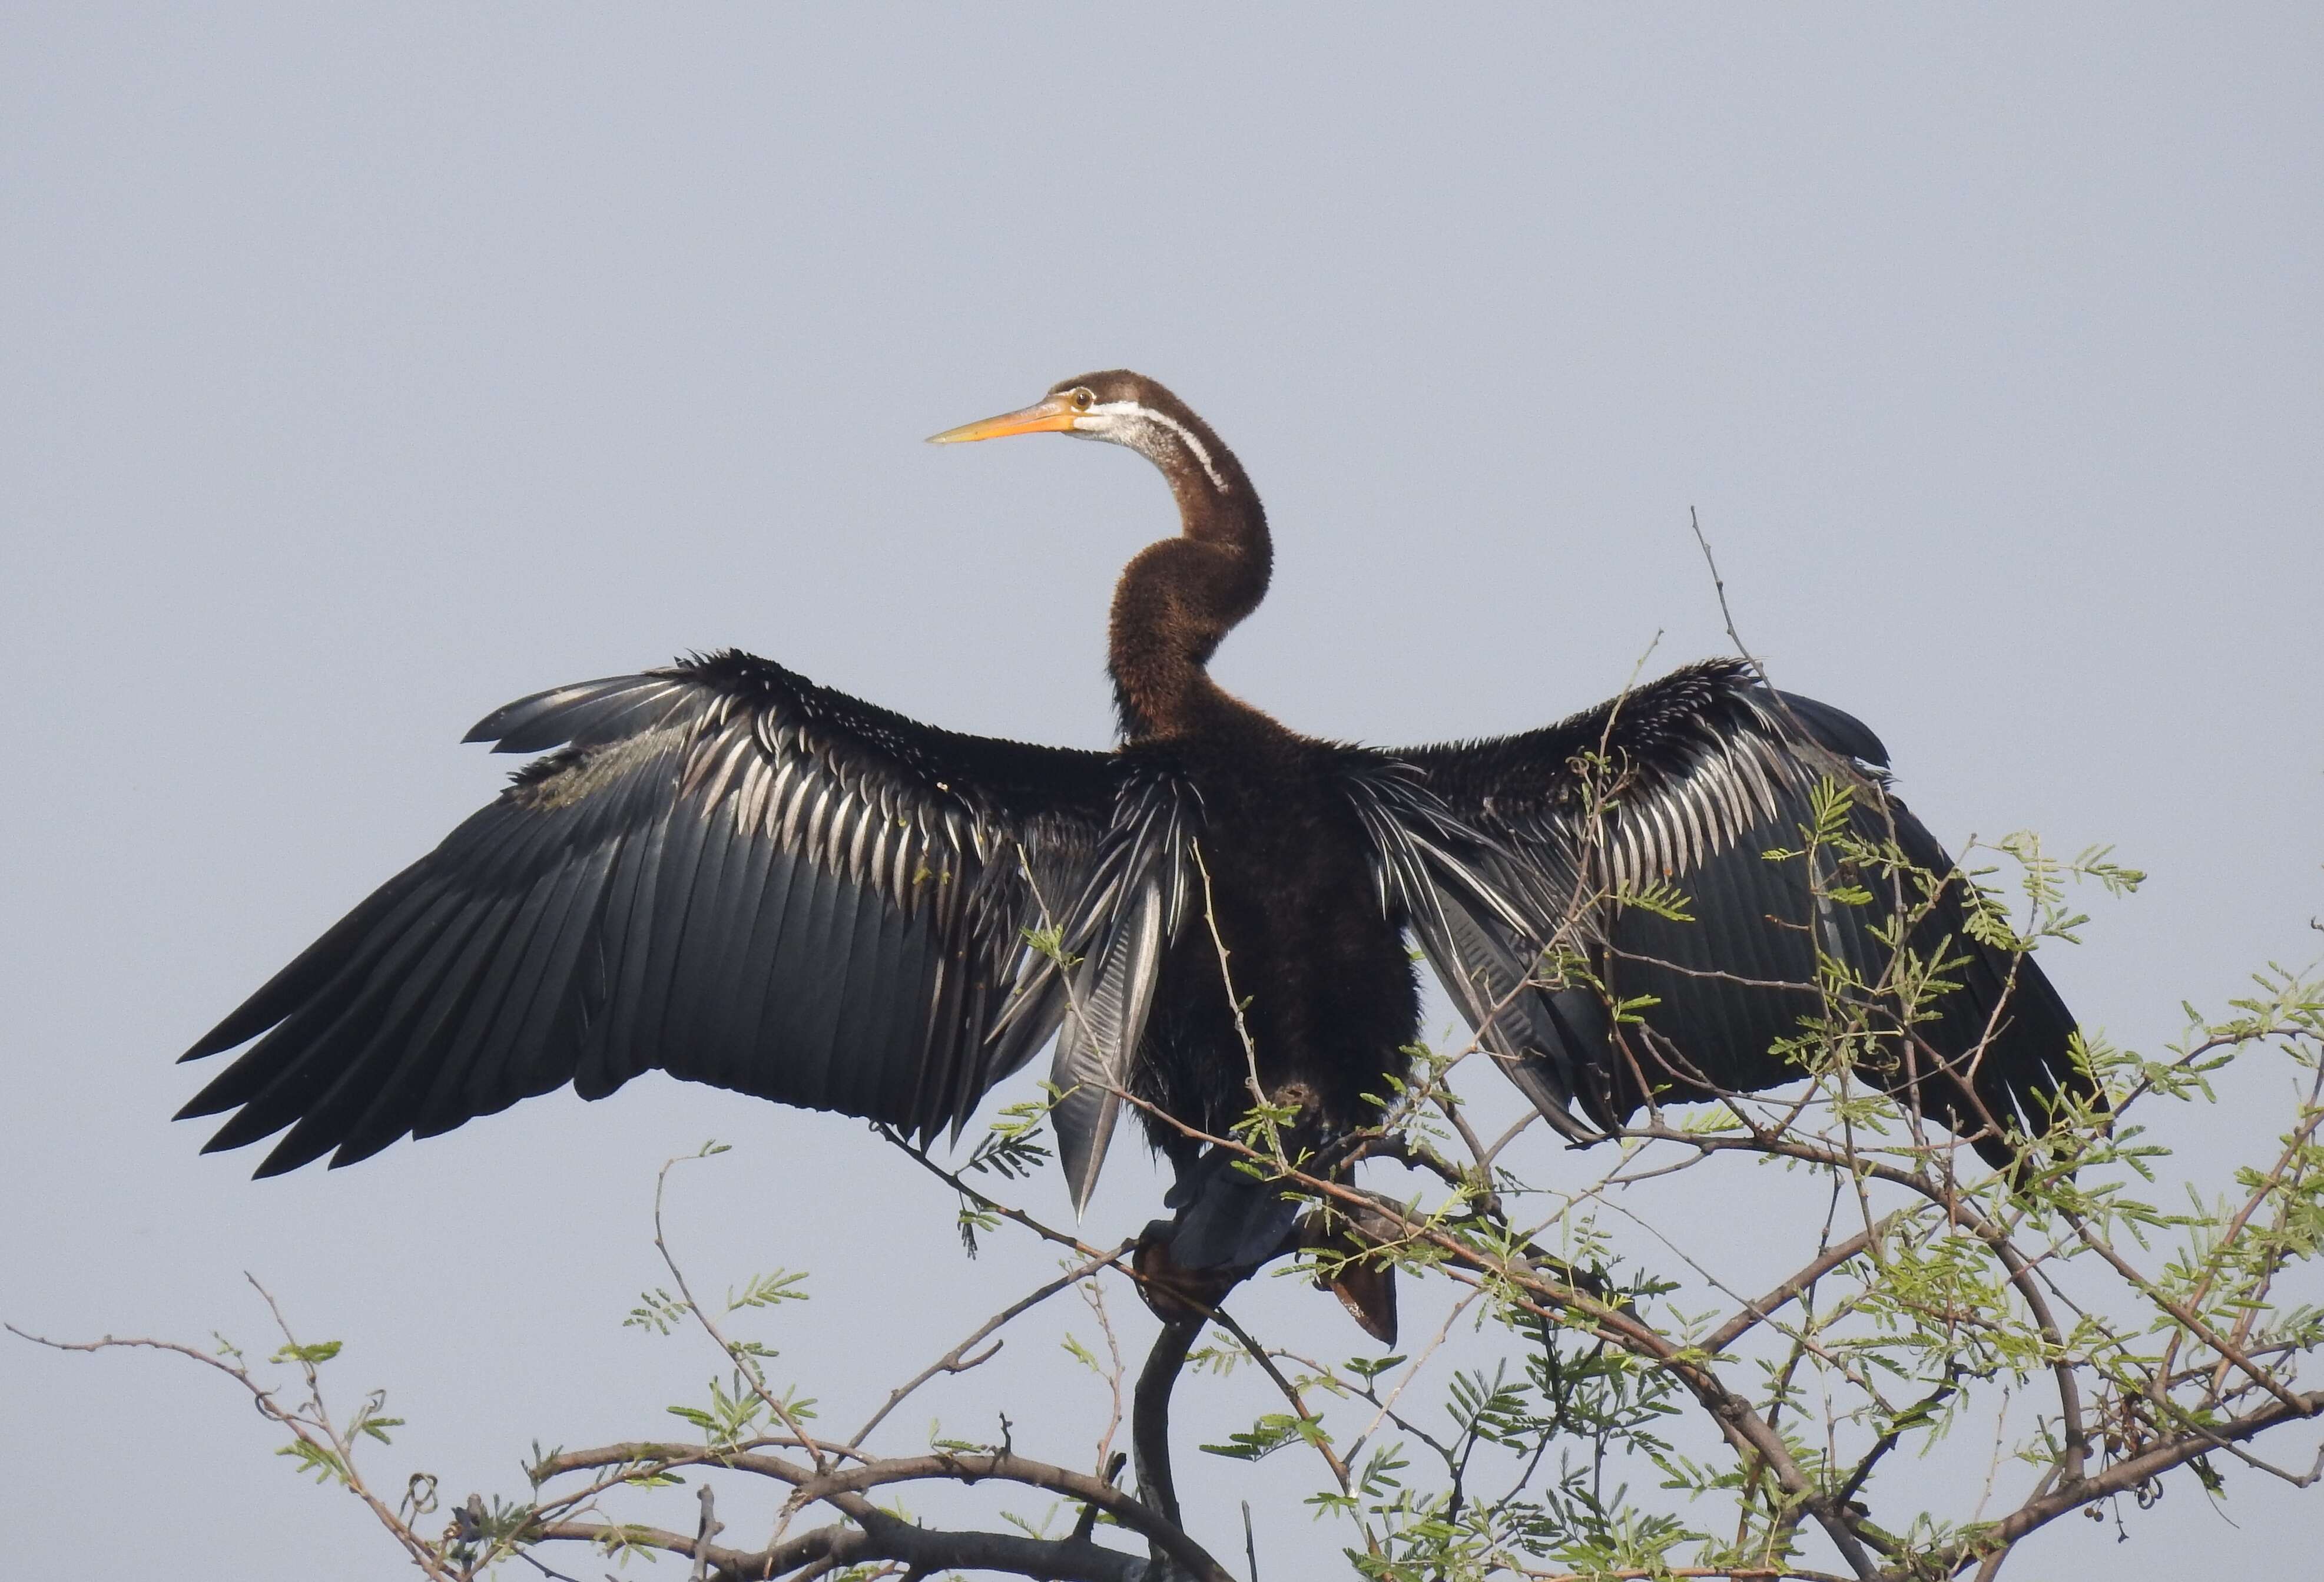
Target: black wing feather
x,y
722,871
1694,779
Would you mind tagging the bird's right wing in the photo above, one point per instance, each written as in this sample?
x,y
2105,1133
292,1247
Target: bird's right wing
x,y
724,871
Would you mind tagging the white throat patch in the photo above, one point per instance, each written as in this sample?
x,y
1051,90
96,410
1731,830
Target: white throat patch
x,y
1134,426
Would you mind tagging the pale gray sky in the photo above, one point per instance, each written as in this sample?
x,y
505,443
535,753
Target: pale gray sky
x,y
369,367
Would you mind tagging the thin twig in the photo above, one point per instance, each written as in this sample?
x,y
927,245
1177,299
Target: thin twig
x,y
958,1361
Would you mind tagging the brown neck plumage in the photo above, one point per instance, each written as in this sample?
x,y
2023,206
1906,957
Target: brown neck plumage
x,y
1178,598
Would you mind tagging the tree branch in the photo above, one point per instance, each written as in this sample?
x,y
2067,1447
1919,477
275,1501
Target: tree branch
x,y
2121,1477
1149,1414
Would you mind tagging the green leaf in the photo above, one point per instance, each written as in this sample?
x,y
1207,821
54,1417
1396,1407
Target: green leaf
x,y
1263,1438
321,1350
325,1464
767,1291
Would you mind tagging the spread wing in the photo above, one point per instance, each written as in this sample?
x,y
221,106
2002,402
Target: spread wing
x,y
722,871
1668,800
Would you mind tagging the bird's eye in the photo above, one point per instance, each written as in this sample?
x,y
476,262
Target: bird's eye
x,y
1083,399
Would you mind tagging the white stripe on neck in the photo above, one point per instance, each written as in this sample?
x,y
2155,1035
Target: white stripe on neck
x,y
1130,409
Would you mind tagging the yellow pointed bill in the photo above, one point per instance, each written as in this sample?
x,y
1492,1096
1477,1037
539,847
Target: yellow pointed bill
x,y
1051,416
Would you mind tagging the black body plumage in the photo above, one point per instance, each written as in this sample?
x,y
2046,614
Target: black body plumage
x,y
724,871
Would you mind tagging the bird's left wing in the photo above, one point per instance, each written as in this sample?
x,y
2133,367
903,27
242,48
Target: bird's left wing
x,y
1637,836
722,871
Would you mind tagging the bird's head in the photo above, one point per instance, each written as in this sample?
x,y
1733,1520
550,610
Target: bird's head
x,y
1121,408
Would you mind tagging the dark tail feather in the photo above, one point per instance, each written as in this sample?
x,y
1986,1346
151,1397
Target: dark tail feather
x,y
1365,1286
1226,1218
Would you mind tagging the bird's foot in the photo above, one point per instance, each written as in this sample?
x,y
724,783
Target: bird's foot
x,y
1174,1291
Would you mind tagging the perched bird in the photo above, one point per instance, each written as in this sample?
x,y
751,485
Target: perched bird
x,y
724,871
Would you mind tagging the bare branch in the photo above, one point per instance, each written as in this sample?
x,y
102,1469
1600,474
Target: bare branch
x,y
958,1361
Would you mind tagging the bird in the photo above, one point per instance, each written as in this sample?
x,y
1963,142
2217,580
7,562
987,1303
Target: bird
x,y
724,871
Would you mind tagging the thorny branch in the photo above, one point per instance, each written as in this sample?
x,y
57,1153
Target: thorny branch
x,y
2216,1373
1638,1359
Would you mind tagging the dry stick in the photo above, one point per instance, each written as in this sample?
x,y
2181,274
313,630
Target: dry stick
x,y
1755,1313
956,1361
1889,1439
1515,1127
747,1367
1144,1420
1008,1467
1095,1296
2179,1310
1738,1424
884,1538
632,1459
1411,1372
994,1206
845,1490
1148,1416
1993,1463
2012,1261
2120,1477
2299,1480
549,1572
2294,1147
1718,585
1242,1030
1800,1340
659,1456
1298,1402
305,1429
730,1563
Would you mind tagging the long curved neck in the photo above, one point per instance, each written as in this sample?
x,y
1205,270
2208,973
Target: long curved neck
x,y
1179,597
